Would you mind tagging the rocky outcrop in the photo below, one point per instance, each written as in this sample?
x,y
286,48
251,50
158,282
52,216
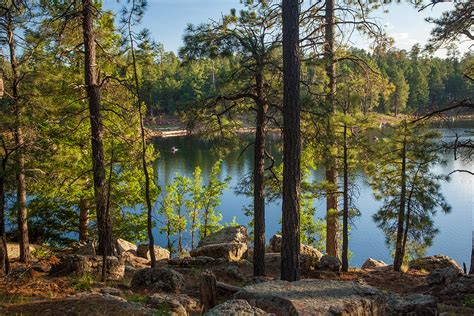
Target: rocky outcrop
x,y
191,261
159,279
444,276
78,265
373,264
330,263
122,246
132,260
229,243
235,307
228,251
168,305
275,246
433,263
330,297
86,249
226,235
160,253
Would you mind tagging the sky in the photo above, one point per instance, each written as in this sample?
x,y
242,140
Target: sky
x,y
167,19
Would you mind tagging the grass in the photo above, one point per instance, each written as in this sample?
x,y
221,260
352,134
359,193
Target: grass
x,y
84,283
468,300
137,298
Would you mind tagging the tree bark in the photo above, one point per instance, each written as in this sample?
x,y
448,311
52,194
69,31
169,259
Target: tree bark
x,y
4,260
290,247
104,224
208,291
259,182
398,261
345,211
471,268
19,143
83,220
332,214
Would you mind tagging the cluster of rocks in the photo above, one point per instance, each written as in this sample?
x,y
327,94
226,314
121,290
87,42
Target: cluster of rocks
x,y
79,265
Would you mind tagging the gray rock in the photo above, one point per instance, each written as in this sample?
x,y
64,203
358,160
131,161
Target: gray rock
x,y
159,279
79,265
275,246
86,249
122,246
184,300
160,253
191,261
228,251
373,264
235,308
444,276
330,297
330,263
233,272
226,235
433,263
166,306
111,291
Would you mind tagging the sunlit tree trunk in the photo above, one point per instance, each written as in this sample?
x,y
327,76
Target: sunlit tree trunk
x,y
259,181
104,224
290,245
332,213
19,143
83,220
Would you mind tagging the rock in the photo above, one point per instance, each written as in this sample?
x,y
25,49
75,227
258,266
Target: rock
x,y
226,235
433,263
233,272
275,247
111,291
20,275
41,266
166,306
160,253
191,261
228,251
132,260
415,304
373,264
444,276
86,249
235,308
78,265
184,300
122,246
329,297
159,279
457,289
330,263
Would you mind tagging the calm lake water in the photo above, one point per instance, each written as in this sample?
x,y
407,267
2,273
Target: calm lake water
x,y
366,240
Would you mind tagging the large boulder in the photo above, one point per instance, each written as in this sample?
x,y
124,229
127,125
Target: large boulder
x,y
159,279
275,246
231,234
190,261
160,253
235,308
122,246
433,263
330,297
444,276
330,263
373,264
228,251
78,265
132,260
86,249
188,303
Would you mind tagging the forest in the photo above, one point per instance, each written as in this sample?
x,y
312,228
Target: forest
x,y
85,92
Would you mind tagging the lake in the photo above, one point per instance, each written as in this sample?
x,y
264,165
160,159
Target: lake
x,y
366,240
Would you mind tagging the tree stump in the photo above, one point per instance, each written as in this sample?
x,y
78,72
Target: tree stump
x,y
208,291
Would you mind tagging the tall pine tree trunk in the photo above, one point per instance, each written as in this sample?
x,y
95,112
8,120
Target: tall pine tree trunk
x,y
259,182
19,144
4,260
345,211
141,113
290,245
398,261
83,220
332,214
471,269
104,224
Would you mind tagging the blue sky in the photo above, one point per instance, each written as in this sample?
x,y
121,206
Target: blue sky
x,y
167,19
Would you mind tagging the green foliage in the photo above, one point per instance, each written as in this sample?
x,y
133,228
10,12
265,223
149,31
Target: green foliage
x,y
84,283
